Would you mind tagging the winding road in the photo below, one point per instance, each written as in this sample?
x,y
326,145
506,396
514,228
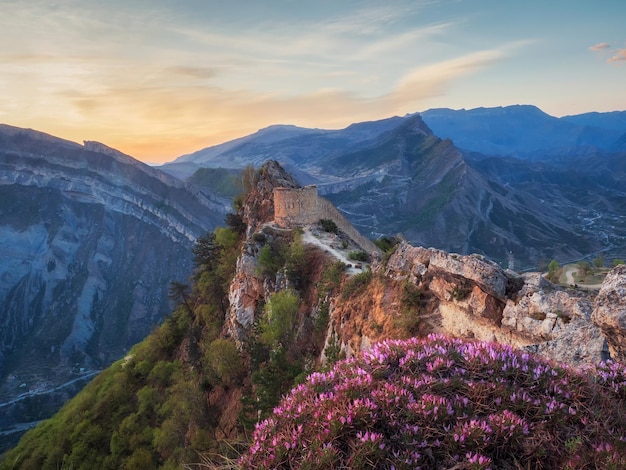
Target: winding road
x,y
568,272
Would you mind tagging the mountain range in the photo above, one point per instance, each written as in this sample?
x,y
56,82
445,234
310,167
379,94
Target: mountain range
x,y
512,183
527,132
90,240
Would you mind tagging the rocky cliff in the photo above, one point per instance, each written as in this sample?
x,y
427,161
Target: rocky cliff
x,y
90,240
463,296
475,298
610,311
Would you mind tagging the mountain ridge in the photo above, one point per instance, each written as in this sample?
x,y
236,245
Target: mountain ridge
x,y
89,241
526,224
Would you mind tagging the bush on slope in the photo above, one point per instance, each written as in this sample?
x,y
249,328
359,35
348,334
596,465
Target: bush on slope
x,y
447,403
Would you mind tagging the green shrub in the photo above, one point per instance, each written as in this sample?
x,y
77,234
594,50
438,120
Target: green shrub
x,y
386,243
269,261
333,353
329,225
295,259
411,301
273,380
359,255
412,296
279,318
459,293
235,223
331,277
553,271
222,360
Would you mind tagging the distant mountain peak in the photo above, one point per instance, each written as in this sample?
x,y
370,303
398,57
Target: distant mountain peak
x,y
416,124
12,131
274,127
99,147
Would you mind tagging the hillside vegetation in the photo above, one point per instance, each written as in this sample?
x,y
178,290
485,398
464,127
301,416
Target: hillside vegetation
x,y
197,388
187,388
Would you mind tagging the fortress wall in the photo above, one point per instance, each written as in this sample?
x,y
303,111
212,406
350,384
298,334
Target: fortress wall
x,y
302,206
328,211
297,206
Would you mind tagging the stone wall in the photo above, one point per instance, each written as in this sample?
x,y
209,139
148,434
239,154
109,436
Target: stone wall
x,y
328,211
296,206
302,206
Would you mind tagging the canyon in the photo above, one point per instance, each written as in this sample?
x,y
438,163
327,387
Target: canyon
x,y
90,240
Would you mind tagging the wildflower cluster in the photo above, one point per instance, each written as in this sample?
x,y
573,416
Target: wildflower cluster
x,y
612,376
440,402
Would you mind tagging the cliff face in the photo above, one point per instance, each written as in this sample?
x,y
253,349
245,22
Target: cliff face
x,y
418,290
90,240
610,312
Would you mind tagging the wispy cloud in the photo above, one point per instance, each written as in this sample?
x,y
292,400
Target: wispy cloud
x,y
193,72
432,80
619,56
392,43
600,47
616,55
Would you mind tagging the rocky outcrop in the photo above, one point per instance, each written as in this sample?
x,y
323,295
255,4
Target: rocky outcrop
x,y
554,322
258,206
476,298
249,288
415,261
609,313
246,290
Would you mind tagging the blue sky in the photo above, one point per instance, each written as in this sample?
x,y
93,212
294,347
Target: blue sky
x,y
157,79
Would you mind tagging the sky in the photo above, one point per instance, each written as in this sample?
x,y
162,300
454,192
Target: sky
x,y
158,79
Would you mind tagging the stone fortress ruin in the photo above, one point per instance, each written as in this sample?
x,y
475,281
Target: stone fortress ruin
x,y
296,207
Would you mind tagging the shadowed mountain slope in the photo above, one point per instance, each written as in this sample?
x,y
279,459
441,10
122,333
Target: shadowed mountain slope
x,y
90,240
396,176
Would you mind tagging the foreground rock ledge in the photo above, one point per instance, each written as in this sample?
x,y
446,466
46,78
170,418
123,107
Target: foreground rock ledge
x,y
610,312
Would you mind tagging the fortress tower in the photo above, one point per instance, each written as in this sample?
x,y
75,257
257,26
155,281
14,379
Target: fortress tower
x,y
293,207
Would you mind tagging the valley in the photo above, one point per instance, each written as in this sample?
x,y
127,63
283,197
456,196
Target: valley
x,y
91,239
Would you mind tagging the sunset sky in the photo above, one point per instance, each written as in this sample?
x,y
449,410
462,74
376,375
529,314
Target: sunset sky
x,y
158,78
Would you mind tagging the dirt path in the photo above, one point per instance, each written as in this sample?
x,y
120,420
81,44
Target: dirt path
x,y
324,242
569,271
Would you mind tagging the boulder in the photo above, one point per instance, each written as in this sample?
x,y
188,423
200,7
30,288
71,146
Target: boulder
x,y
414,261
609,313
